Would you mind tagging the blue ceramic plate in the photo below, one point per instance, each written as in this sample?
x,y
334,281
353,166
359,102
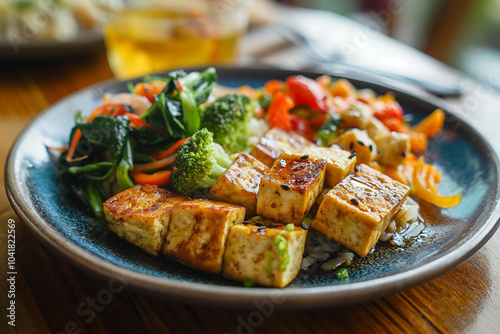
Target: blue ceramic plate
x,y
466,160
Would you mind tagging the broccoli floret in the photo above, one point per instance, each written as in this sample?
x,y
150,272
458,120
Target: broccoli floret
x,y
199,162
228,119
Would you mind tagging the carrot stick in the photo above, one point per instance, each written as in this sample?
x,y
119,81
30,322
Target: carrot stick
x,y
172,149
155,164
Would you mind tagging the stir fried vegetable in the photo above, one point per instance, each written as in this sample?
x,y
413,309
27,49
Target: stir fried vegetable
x,y
166,132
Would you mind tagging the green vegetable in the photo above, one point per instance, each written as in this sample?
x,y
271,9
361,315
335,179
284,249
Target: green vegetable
x,y
125,165
92,194
341,273
199,163
191,115
282,245
265,101
269,262
328,131
228,119
289,227
249,283
176,109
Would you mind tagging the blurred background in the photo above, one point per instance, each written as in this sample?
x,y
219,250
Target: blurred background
x,y
461,33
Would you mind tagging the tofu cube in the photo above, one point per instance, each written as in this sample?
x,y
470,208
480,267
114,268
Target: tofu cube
x,y
240,183
339,162
253,254
141,215
358,209
359,141
275,142
393,147
288,192
198,231
358,115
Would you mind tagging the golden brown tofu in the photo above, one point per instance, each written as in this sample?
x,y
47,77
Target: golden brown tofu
x,y
141,215
252,254
288,192
339,162
275,142
358,140
358,209
240,183
197,233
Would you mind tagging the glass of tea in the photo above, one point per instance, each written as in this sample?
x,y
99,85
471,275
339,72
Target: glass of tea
x,y
146,36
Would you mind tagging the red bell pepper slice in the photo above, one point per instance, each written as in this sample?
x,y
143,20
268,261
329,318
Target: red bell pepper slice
x,y
307,92
279,112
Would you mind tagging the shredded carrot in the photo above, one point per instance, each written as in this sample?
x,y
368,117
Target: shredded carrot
x,y
58,149
158,178
155,164
179,85
171,149
74,143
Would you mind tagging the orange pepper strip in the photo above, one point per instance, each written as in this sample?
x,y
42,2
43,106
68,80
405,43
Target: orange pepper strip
x,y
431,125
171,149
274,86
422,189
158,178
150,89
155,164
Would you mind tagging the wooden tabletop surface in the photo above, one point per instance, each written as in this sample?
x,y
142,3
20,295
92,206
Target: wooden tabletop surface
x,y
49,290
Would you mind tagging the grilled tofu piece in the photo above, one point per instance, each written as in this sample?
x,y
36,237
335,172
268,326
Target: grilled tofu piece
x,y
358,209
288,192
240,183
358,115
359,141
252,254
275,142
198,231
141,215
339,162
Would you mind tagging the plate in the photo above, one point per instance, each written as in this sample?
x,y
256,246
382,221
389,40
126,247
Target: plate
x,y
85,42
468,163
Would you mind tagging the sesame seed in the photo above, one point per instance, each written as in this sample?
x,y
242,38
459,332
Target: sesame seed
x,y
354,201
285,186
261,228
305,156
257,224
371,147
351,145
304,226
356,168
378,150
353,154
271,225
245,223
404,154
361,143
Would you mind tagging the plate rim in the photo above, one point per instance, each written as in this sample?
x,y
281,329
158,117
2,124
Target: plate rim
x,y
295,297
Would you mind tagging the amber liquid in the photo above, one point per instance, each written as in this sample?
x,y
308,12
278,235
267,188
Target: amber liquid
x,y
142,43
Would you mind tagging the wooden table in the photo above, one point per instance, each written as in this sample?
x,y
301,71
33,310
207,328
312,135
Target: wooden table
x,y
49,290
